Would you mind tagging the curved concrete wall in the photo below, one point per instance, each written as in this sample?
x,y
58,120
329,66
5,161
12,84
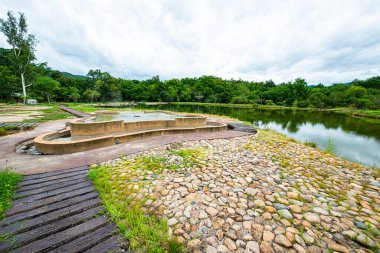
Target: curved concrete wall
x,y
46,144
96,128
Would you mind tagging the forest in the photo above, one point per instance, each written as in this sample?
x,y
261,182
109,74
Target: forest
x,y
45,84
21,77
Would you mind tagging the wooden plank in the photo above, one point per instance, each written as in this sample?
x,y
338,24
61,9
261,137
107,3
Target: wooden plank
x,y
46,230
51,178
53,182
52,193
58,239
29,222
24,207
58,172
21,194
110,245
89,240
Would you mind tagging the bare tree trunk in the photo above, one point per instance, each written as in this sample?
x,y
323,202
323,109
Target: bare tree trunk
x,y
23,87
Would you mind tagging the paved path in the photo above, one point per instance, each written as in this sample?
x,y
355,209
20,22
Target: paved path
x,y
58,212
29,164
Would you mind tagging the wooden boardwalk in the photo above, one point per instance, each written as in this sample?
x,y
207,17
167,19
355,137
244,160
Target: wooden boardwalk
x,y
74,112
59,212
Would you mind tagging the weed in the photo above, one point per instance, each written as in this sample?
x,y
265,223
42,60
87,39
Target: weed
x,y
310,144
8,184
331,147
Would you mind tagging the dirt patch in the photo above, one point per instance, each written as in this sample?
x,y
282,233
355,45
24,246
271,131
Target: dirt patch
x,y
17,113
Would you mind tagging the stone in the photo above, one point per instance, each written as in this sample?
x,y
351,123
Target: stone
x,y
284,213
252,247
312,217
172,222
309,240
279,206
268,236
283,241
338,247
223,249
365,240
360,225
259,203
292,195
295,209
230,244
266,247
178,180
210,249
250,191
299,248
320,211
212,211
194,244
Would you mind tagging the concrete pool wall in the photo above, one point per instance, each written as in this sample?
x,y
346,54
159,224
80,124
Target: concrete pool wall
x,y
90,135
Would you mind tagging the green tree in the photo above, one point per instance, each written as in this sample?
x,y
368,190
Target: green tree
x,y
74,94
45,87
23,45
8,83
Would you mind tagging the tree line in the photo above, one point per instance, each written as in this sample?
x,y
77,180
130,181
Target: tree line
x,y
18,66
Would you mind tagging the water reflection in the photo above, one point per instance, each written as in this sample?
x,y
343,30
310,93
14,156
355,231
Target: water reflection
x,y
356,139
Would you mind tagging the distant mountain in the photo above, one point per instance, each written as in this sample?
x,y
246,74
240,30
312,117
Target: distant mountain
x,y
69,75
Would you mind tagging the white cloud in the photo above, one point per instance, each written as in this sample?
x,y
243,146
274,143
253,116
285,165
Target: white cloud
x,y
322,41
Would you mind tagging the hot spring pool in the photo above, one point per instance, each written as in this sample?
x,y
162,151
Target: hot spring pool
x,y
139,116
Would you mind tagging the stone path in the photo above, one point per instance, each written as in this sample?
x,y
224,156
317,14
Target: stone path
x,y
58,212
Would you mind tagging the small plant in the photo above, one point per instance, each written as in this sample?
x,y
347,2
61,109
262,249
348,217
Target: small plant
x,y
310,144
331,147
8,184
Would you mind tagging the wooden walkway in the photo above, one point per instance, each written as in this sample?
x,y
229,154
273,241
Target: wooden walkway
x,y
74,112
59,212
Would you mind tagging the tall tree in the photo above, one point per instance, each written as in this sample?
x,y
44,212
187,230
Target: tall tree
x,y
23,45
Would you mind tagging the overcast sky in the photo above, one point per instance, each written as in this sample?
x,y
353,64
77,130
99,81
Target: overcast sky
x,y
320,40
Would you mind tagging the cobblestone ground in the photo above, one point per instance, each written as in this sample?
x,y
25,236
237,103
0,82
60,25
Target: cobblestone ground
x,y
262,193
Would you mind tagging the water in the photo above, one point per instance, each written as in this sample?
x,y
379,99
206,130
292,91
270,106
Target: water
x,y
356,139
141,116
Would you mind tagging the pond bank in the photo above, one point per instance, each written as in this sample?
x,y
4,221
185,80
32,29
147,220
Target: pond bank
x,y
246,194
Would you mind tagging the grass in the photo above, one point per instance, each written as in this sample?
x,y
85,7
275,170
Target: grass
x,y
310,144
145,231
8,184
8,130
190,156
331,147
52,113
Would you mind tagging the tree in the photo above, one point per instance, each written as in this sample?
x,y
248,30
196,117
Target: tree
x,y
8,83
45,86
23,45
74,94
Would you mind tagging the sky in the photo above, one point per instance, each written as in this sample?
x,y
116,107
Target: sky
x,y
322,41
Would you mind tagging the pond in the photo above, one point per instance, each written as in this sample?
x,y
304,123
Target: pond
x,y
355,139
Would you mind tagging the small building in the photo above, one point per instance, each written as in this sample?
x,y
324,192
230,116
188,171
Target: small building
x,y
31,101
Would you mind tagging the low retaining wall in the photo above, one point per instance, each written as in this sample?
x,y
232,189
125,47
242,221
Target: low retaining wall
x,y
79,128
45,144
96,128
